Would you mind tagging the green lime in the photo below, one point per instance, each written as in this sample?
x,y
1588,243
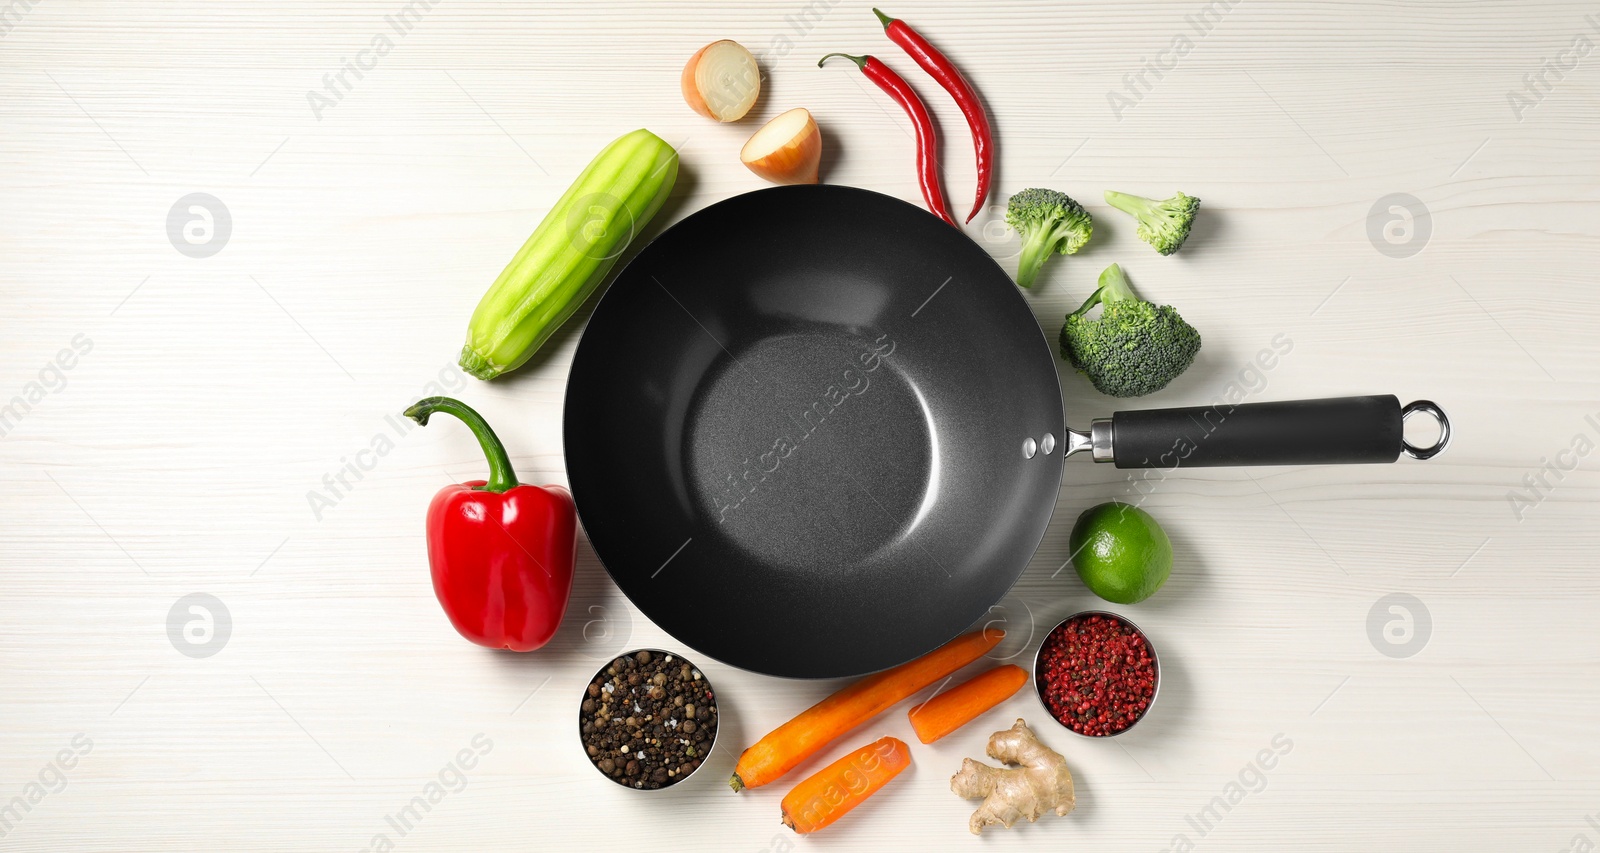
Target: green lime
x,y
1121,553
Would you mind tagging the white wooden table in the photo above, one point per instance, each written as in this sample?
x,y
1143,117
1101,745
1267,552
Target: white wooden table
x,y
172,452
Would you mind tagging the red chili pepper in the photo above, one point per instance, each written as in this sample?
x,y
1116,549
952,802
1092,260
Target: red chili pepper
x,y
945,72
502,553
927,139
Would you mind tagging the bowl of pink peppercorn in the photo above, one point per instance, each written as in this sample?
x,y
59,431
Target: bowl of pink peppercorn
x,y
1097,674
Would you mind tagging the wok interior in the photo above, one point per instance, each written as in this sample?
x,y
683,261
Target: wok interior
x,y
795,431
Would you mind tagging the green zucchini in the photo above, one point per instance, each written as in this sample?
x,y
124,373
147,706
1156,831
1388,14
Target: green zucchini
x,y
570,253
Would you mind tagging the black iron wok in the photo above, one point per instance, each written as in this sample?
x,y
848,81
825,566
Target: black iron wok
x,y
811,432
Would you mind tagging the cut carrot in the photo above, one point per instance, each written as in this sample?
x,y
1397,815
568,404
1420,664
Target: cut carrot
x,y
955,708
841,786
826,721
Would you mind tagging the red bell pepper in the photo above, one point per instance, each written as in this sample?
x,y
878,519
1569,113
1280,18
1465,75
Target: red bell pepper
x,y
502,553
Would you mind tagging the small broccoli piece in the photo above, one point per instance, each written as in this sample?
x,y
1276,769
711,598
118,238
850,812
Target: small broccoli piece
x,y
1162,224
1134,348
1048,221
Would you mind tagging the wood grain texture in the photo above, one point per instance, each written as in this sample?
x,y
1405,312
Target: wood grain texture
x,y
219,391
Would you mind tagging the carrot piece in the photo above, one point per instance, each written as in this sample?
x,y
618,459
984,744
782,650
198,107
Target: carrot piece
x,y
826,721
829,793
953,709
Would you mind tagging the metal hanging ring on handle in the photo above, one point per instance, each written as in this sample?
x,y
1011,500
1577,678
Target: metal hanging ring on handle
x,y
1431,408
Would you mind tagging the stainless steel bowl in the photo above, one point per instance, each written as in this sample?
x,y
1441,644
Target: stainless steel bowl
x,y
1038,683
709,746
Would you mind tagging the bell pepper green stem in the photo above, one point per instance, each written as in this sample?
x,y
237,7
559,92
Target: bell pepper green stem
x,y
501,477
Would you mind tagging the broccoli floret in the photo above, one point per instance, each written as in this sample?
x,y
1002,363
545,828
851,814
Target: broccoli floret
x,y
1162,224
1134,348
1048,221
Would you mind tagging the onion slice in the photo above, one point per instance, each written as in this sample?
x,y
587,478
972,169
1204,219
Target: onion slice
x,y
787,150
721,81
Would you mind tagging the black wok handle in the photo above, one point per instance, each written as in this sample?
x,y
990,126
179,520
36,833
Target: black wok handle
x,y
1333,431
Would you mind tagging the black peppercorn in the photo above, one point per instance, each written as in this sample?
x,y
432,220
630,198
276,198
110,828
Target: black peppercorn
x,y
647,719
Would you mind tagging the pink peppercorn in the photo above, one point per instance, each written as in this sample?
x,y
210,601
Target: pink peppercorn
x,y
1096,674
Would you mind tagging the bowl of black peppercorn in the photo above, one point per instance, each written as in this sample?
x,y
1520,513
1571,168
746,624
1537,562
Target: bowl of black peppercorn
x,y
648,719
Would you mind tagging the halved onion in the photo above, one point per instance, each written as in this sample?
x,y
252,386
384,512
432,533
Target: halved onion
x,y
787,150
722,81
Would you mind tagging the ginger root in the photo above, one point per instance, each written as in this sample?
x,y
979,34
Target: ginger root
x,y
1039,782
